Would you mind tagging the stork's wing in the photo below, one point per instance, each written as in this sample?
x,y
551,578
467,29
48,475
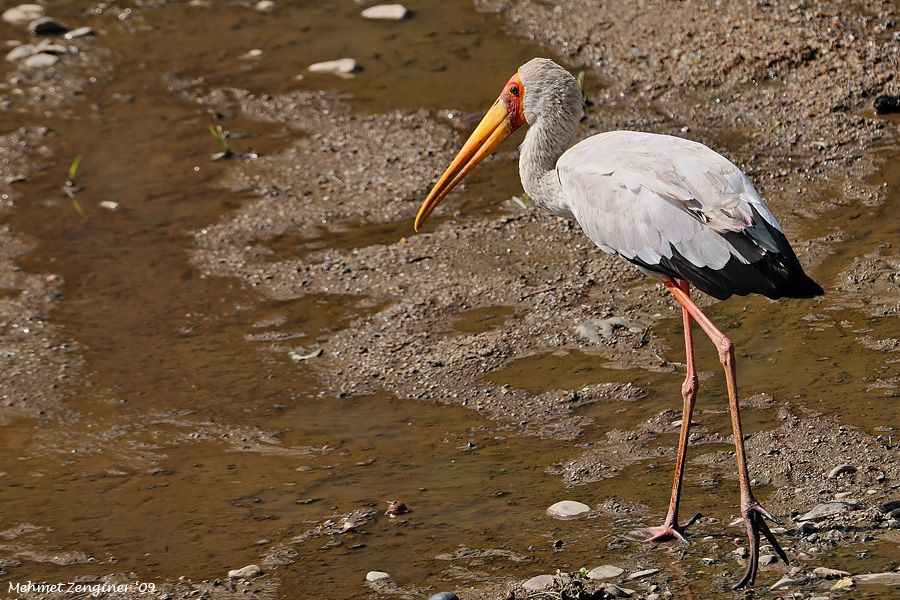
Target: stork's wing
x,y
676,207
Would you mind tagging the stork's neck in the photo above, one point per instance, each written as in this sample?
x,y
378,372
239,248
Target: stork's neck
x,y
545,142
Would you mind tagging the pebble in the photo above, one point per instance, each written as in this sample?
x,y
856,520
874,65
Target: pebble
x,y
46,26
40,61
827,509
79,33
641,574
783,583
245,572
826,573
885,104
265,6
605,572
617,592
841,470
568,509
390,12
252,54
372,576
20,52
886,579
342,66
538,583
768,559
23,14
109,205
443,596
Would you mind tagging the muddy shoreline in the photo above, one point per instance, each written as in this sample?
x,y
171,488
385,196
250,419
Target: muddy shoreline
x,y
564,361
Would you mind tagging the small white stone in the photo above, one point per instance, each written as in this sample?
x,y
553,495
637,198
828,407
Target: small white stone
x,y
252,54
605,572
20,52
109,205
245,572
783,583
372,576
568,509
265,6
23,14
389,12
79,33
39,61
342,66
538,583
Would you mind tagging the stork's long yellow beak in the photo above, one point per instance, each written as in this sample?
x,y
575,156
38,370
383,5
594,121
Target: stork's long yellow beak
x,y
501,120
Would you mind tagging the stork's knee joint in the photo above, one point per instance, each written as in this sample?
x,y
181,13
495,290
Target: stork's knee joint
x,y
690,387
726,351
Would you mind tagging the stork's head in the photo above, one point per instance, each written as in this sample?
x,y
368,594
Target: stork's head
x,y
540,88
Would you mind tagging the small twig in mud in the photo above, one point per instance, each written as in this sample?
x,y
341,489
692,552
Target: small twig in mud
x,y
222,137
580,79
71,188
77,206
523,201
536,292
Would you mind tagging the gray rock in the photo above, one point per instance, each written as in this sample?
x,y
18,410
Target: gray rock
x,y
641,574
389,12
595,330
40,61
784,582
20,52
886,579
23,14
617,592
265,6
768,559
80,33
605,572
841,470
341,66
825,573
568,509
538,583
46,26
828,509
443,596
112,205
245,572
373,576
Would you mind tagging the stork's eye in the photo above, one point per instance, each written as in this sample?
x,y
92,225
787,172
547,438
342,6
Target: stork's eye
x,y
514,90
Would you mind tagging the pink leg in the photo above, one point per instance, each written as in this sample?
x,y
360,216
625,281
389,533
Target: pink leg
x,y
670,527
754,514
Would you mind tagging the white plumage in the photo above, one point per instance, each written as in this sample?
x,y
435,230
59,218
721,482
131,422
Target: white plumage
x,y
641,195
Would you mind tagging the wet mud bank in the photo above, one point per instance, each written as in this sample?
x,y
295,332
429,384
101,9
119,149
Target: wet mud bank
x,y
249,358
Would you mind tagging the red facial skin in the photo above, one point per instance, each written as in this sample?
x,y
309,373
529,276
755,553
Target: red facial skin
x,y
514,96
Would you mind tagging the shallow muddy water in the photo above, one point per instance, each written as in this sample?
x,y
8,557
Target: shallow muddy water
x,y
192,442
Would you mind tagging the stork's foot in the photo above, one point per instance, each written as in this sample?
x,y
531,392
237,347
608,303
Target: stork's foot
x,y
671,530
755,518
